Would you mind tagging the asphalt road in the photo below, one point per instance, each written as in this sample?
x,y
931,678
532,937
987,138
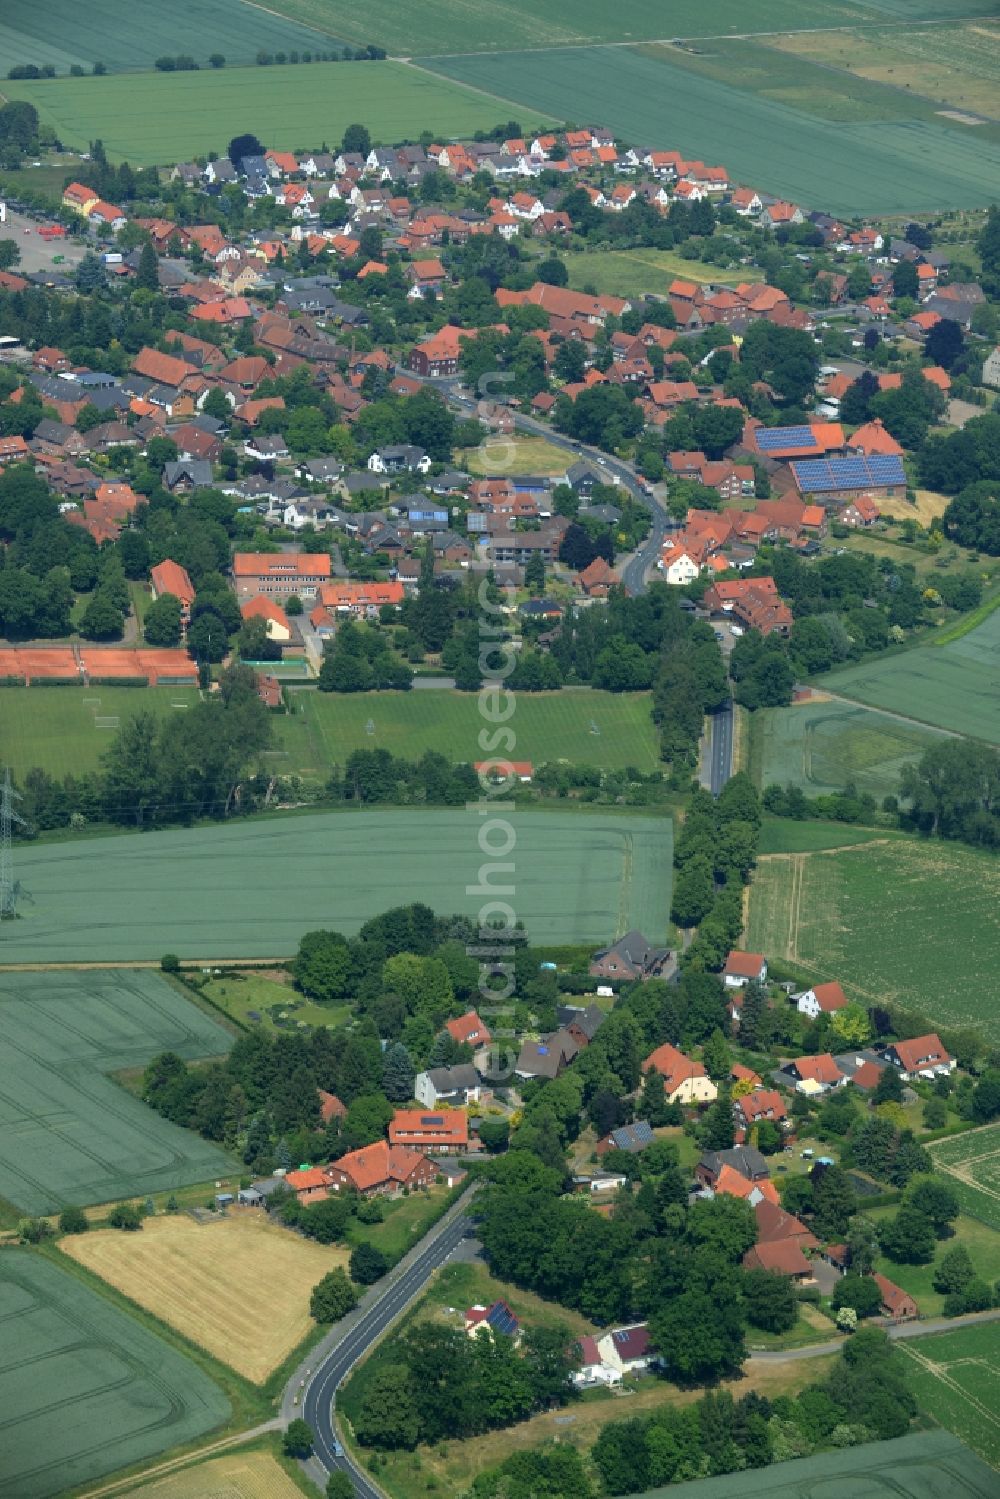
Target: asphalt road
x,y
315,1402
720,763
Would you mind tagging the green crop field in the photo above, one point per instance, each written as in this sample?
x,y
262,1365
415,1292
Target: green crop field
x,y
823,746
786,835
475,26
56,728
154,119
86,1389
63,32
923,1465
908,164
68,1132
953,686
872,917
972,1164
251,889
633,273
956,1377
548,725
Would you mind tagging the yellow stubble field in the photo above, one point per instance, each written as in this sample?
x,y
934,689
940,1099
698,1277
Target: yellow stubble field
x,y
239,1286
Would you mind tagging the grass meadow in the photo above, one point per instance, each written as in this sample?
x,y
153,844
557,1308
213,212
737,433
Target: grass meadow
x,y
155,119
327,727
250,889
197,1276
950,684
822,746
68,1133
955,66
910,164
871,917
56,728
972,1164
642,272
64,32
87,1389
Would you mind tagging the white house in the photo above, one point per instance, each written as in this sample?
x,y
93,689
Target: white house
x,y
626,1350
821,999
593,1370
455,1085
744,968
991,368
399,458
678,568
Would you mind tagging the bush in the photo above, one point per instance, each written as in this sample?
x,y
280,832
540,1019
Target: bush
x,y
332,1297
170,963
73,1221
126,1216
33,1230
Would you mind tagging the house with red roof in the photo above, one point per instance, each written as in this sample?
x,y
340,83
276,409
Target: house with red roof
x,y
275,619
468,1030
744,968
783,1257
762,1103
897,1304
814,1074
921,1056
821,999
445,1131
381,1170
684,1081
278,575
170,577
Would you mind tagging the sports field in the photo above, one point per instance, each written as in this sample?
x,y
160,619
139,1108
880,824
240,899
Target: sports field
x,y
903,920
972,1163
631,273
548,726
515,455
63,32
910,163
157,118
201,1277
956,1377
953,686
68,1133
822,746
65,730
235,1475
477,26
923,1465
251,889
84,1389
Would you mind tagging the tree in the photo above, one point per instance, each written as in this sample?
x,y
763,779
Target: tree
x,y
207,638
146,275
90,275
398,1073
862,1245
332,1297
102,619
905,281
356,140
944,342
388,1413
833,1203
368,1264
241,146
717,1056
340,1485
770,1301
162,625
851,1025
954,1271
859,1292
909,1237
73,1221
298,1439
552,271
699,1336
889,1088
216,60
935,1199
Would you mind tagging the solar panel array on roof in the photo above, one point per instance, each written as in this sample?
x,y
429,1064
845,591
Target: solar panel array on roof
x,y
502,1319
428,1119
818,475
771,438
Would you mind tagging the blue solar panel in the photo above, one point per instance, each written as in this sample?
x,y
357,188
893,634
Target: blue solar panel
x,y
502,1319
816,475
784,437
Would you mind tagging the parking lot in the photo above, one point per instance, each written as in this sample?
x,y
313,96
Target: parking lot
x,y
38,254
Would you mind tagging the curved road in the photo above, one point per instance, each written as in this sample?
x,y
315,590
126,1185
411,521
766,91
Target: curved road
x,y
316,1387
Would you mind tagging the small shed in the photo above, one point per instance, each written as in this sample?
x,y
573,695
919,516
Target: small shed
x,y
224,1199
